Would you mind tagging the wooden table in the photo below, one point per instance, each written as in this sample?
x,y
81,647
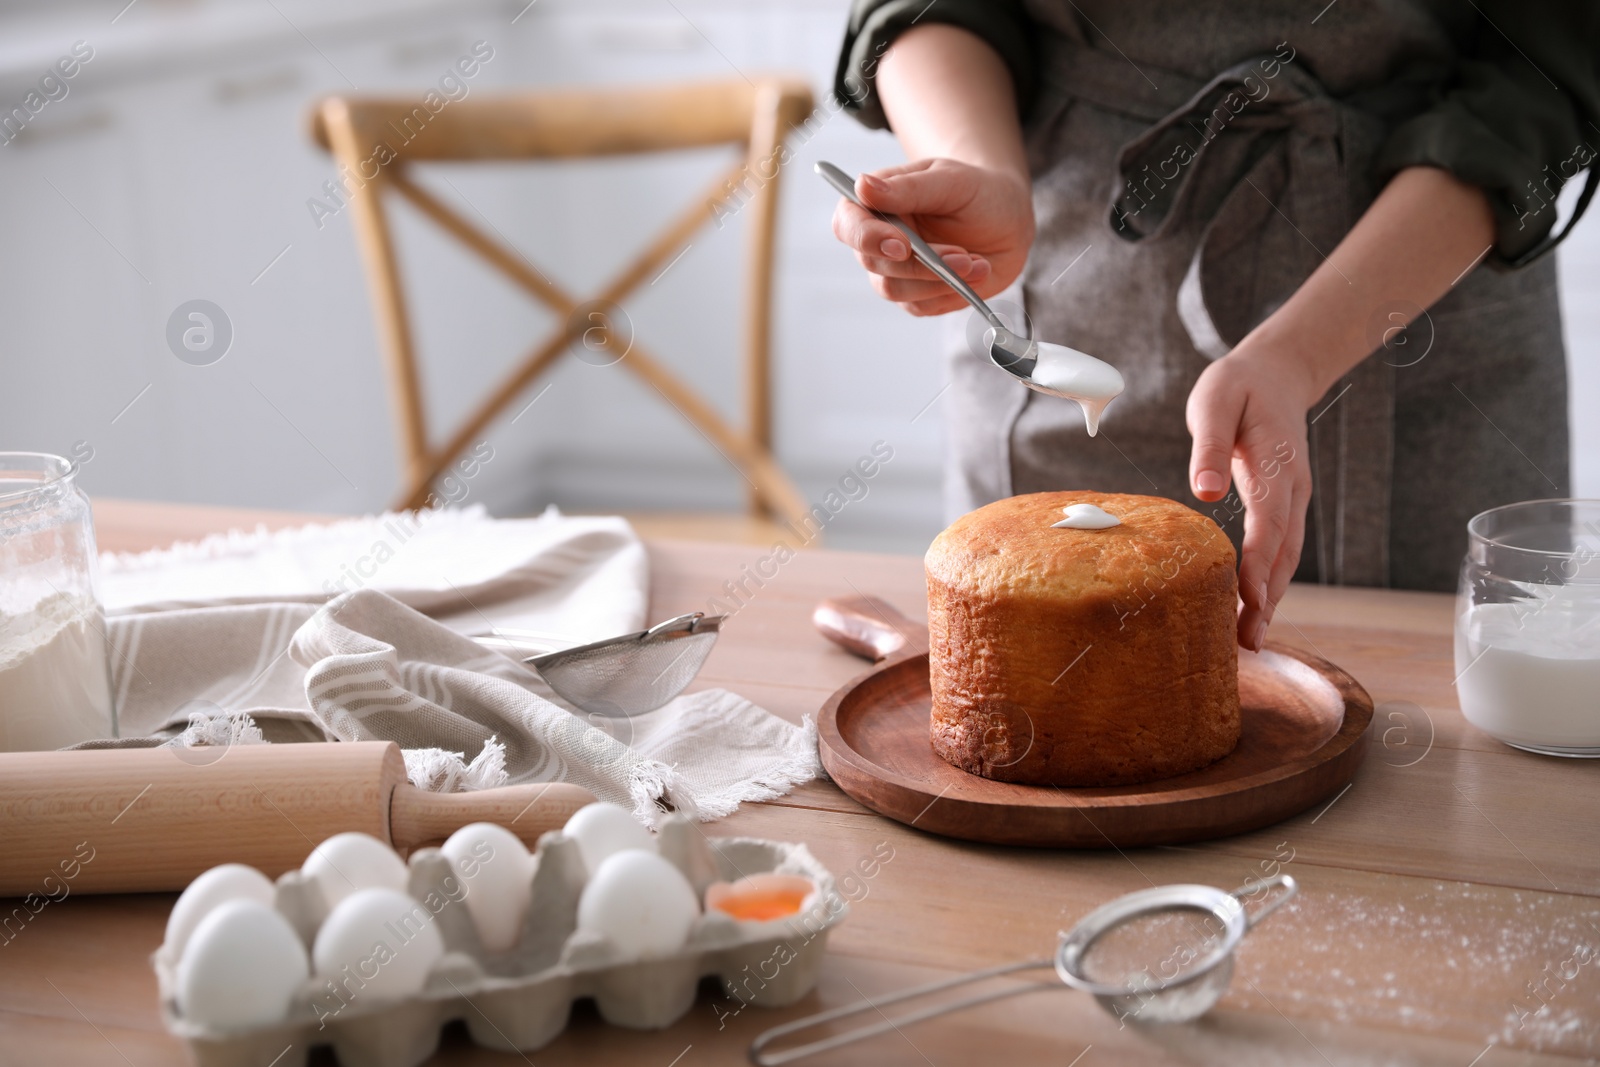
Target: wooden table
x,y
1443,896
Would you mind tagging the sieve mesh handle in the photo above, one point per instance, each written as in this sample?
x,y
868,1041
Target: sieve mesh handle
x,y
1243,894
761,1058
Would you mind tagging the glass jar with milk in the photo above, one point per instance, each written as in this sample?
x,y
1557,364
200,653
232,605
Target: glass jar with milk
x,y
1528,626
55,685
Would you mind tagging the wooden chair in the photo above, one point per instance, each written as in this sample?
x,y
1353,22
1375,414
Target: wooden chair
x,y
573,124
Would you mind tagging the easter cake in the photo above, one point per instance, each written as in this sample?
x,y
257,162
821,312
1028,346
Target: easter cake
x,y
1094,649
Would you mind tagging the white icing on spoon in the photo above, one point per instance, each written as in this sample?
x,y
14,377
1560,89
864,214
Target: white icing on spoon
x,y
1085,517
1066,372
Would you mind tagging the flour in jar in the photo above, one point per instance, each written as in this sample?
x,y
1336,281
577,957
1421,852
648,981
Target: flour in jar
x,y
54,686
1528,673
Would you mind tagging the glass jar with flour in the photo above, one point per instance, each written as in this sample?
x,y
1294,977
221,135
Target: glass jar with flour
x,y
55,685
1528,626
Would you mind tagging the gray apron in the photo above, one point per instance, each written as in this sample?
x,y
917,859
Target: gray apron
x,y
1171,220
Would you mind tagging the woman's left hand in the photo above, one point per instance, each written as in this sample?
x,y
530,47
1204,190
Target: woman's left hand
x,y
1247,415
1247,412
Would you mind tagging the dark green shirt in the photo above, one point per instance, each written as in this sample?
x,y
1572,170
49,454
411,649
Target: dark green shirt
x,y
1508,91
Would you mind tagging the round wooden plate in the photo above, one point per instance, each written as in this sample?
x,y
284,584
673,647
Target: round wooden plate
x,y
1304,735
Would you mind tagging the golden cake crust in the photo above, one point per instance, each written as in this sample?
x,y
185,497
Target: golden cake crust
x,y
1083,657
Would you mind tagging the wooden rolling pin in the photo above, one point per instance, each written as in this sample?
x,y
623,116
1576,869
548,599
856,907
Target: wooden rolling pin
x,y
136,820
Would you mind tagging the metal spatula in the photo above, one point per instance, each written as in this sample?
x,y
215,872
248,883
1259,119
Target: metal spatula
x,y
622,676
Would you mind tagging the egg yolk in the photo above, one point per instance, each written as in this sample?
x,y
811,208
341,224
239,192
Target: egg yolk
x,y
760,905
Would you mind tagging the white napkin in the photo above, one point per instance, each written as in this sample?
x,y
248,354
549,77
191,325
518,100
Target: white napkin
x,y
583,578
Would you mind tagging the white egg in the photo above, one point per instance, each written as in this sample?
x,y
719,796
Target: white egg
x,y
242,967
347,862
231,881
378,944
497,873
641,902
602,829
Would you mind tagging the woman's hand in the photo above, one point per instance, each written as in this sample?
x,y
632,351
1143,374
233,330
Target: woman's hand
x,y
1247,414
949,99
979,219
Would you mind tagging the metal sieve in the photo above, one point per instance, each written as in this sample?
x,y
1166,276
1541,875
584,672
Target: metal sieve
x,y
620,676
1160,955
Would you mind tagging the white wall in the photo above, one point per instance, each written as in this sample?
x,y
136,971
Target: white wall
x,y
179,168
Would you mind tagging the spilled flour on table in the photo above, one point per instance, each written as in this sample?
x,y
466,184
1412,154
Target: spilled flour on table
x,y
1418,962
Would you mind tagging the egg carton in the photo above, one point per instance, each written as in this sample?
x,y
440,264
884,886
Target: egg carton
x,y
520,1000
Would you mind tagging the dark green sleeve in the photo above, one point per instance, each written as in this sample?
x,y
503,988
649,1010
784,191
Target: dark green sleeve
x,y
1519,117
874,24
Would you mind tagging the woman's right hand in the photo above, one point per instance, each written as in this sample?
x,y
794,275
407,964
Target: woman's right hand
x,y
979,219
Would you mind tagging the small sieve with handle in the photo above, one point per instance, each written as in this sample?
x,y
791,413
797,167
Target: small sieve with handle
x,y
1157,955
620,676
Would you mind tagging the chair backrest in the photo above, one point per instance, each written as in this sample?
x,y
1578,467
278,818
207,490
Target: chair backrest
x,y
374,139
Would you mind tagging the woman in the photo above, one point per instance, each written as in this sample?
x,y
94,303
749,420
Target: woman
x,y
1241,206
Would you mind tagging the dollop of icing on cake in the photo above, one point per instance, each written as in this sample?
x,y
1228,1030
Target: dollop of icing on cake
x,y
1085,517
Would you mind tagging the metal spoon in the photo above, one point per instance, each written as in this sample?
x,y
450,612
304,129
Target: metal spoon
x,y
1048,368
